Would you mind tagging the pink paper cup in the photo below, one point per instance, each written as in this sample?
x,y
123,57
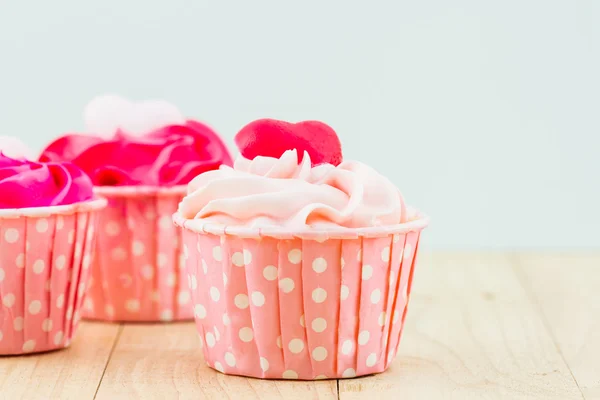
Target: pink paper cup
x,y
137,272
45,256
303,304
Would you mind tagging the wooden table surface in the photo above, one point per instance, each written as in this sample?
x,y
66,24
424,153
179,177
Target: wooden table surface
x,y
486,325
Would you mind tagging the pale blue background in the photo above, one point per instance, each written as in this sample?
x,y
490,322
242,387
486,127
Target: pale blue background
x,y
486,114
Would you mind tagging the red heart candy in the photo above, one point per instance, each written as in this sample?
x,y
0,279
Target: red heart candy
x,y
271,138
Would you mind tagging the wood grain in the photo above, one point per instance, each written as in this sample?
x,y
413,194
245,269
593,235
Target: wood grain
x,y
567,289
164,361
471,333
73,373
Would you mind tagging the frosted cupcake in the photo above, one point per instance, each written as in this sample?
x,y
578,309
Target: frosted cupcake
x,y
48,220
300,264
139,157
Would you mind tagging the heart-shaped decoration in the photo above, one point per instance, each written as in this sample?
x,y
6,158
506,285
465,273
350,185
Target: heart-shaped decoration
x,y
105,115
14,148
271,138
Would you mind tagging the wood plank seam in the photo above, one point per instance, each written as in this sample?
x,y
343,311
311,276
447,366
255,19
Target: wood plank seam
x,y
112,349
517,267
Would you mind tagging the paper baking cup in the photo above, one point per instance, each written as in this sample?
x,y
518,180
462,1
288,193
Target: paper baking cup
x,y
137,272
300,305
45,255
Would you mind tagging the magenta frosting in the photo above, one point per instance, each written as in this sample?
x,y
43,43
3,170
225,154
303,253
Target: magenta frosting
x,y
36,184
169,156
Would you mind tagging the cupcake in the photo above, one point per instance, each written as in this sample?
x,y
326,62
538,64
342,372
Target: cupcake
x,y
300,263
140,157
48,220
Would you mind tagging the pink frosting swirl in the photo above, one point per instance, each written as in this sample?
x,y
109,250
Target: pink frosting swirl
x,y
31,184
168,156
280,192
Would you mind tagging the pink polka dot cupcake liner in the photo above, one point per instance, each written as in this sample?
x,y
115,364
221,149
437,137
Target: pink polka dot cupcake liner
x,y
300,304
45,258
137,274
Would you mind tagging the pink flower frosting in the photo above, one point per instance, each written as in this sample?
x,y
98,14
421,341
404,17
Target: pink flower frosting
x,y
170,155
32,184
281,192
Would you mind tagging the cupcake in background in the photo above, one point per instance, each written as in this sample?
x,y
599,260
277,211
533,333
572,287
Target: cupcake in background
x,y
301,263
12,147
139,156
48,226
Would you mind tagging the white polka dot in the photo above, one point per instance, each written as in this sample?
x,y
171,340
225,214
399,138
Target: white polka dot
x,y
347,347
183,297
319,265
230,359
381,319
289,374
342,262
363,337
408,250
241,301
396,317
246,334
88,304
286,285
69,313
2,274
193,284
278,341
226,320
359,255
392,278
166,315
18,323
204,267
367,272
60,222
371,359
385,254
344,292
224,279
71,237
171,279
29,346
405,292
162,260
35,307
112,228
165,222
215,295
48,285
302,320
186,252
87,261
1,336
118,254
349,373
319,354
219,367
396,238
270,272
41,225
27,246
132,305
375,296
11,235
296,346
237,259
319,295
295,256
319,377
109,310
60,301
39,266
58,338
138,248
200,311
20,261
319,324
210,340
264,364
217,253
147,272
258,299
81,287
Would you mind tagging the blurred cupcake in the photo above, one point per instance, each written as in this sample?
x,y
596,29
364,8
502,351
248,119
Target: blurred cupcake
x,y
300,263
140,157
48,220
